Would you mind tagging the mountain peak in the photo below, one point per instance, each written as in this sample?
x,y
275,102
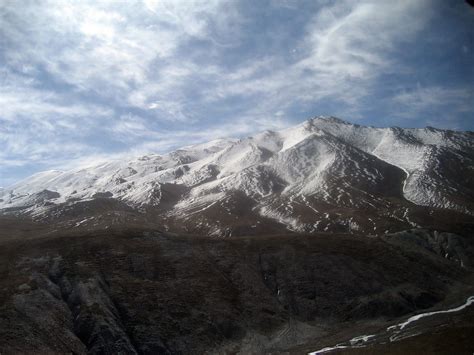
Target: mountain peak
x,y
329,119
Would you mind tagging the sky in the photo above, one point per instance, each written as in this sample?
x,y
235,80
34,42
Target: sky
x,y
86,81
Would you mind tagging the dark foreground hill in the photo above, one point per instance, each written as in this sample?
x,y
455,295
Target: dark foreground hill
x,y
145,291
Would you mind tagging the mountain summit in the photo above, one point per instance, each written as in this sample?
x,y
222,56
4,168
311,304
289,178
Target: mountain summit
x,y
323,175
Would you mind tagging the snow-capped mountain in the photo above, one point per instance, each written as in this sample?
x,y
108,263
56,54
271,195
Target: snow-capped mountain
x,y
322,175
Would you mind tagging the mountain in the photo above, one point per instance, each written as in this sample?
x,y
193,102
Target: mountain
x,y
324,175
338,237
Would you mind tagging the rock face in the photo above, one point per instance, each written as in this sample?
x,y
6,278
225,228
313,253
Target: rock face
x,y
324,175
149,292
447,245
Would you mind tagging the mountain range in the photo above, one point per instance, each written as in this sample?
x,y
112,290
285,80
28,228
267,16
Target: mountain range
x,y
324,175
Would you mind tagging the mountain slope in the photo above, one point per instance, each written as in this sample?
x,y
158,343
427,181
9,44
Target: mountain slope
x,y
322,175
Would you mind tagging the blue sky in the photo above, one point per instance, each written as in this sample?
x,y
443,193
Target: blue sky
x,y
85,81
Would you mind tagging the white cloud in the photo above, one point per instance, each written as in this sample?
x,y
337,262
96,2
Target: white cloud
x,y
40,126
47,107
353,39
190,16
424,97
109,48
348,45
437,105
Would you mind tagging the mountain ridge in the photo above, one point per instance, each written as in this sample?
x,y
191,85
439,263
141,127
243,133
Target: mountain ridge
x,y
315,176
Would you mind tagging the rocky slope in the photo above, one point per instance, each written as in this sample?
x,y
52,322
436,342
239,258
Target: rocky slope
x,y
324,175
139,290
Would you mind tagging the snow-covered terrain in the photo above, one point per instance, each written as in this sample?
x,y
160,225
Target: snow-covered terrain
x,y
393,333
295,177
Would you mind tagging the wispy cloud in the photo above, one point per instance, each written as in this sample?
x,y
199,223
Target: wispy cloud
x,y
437,106
434,97
346,47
